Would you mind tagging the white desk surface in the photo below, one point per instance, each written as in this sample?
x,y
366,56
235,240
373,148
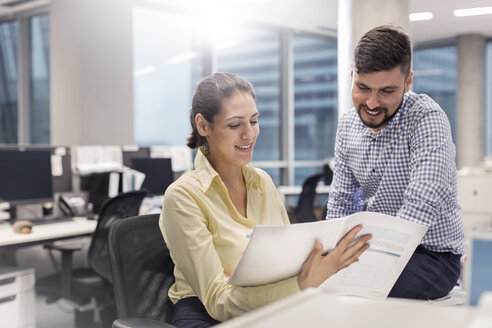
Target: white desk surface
x,y
47,232
296,190
285,191
315,308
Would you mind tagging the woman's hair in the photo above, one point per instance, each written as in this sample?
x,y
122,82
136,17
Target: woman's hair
x,y
209,96
382,49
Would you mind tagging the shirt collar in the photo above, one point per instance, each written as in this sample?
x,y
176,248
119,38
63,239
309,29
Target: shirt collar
x,y
206,173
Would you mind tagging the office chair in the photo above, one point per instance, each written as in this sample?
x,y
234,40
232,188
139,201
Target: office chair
x,y
327,174
90,289
305,205
142,271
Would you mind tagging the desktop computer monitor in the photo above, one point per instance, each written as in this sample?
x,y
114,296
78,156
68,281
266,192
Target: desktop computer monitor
x,y
25,176
158,173
130,153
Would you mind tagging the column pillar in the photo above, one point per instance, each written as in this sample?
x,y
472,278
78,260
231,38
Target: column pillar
x,y
356,17
470,98
91,72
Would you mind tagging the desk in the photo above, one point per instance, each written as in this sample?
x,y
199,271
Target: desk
x,y
315,308
47,232
17,305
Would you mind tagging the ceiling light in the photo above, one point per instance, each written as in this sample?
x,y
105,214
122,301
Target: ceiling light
x,y
182,58
420,16
472,11
227,44
144,70
242,1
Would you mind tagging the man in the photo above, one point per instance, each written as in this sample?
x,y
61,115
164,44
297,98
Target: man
x,y
394,154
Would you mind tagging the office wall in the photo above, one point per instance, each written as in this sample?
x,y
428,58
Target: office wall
x,y
91,72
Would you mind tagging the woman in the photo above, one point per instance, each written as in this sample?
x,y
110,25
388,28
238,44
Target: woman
x,y
209,213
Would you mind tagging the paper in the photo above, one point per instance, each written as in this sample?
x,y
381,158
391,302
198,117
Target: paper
x,y
114,181
56,166
180,156
130,147
132,179
278,252
92,159
60,151
160,152
181,159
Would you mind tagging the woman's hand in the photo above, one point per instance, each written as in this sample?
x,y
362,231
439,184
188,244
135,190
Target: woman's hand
x,y
319,267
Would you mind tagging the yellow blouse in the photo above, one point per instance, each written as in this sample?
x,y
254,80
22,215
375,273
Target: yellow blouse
x,y
206,236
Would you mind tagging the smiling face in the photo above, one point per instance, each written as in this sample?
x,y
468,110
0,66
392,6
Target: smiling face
x,y
232,135
378,95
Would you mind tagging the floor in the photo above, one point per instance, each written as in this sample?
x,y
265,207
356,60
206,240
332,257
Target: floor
x,y
61,314
55,315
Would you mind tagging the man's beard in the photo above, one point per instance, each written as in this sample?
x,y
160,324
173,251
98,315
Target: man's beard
x,y
386,117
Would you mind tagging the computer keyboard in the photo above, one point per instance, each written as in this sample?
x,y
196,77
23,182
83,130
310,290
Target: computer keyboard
x,y
48,220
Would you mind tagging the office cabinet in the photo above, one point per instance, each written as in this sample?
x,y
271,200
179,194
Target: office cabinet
x,y
475,199
17,298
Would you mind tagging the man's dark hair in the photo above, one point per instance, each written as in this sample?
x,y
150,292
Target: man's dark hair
x,y
382,49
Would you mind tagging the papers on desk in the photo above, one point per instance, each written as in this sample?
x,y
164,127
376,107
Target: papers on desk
x,y
132,179
277,252
4,215
4,211
180,156
93,159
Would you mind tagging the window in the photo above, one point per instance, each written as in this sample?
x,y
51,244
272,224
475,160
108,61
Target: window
x,y
40,79
8,82
488,98
255,55
25,79
435,74
315,101
167,66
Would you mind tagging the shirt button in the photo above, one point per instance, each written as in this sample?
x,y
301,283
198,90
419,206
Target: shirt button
x,y
373,170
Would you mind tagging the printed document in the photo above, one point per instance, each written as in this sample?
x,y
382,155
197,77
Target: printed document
x,y
275,253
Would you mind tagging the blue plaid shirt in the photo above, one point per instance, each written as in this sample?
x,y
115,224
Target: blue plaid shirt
x,y
407,169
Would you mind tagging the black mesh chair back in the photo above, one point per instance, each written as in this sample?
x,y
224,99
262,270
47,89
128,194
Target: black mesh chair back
x,y
122,206
142,269
327,174
305,205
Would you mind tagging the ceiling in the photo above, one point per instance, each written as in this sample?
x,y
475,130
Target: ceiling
x,y
321,15
445,25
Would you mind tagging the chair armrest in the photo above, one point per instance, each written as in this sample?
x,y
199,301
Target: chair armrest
x,y
140,323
